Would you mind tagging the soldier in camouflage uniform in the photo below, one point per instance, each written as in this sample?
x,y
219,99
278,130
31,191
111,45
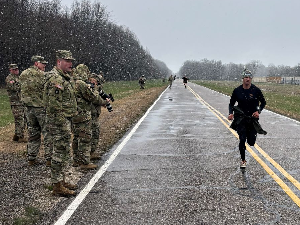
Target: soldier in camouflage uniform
x,y
171,79
32,86
85,96
142,81
98,80
61,106
14,93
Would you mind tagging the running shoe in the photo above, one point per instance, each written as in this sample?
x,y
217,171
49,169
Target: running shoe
x,y
243,164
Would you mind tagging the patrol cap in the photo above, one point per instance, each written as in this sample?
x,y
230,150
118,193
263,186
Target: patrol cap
x,y
64,54
38,58
82,71
81,68
98,77
247,73
93,75
13,66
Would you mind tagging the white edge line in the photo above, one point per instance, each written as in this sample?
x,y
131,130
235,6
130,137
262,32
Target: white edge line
x,y
81,196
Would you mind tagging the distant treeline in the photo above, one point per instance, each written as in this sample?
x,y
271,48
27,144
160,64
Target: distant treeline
x,y
35,27
215,70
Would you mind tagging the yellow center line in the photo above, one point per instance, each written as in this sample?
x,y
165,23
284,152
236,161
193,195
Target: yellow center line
x,y
275,164
280,182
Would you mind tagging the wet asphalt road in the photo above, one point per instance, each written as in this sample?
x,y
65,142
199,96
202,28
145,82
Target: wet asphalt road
x,y
181,166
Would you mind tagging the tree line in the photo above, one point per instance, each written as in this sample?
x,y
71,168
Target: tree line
x,y
35,27
215,70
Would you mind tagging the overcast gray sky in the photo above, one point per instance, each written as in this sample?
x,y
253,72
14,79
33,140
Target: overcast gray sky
x,y
235,31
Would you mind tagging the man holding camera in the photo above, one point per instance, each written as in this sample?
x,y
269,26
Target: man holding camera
x,y
97,80
86,96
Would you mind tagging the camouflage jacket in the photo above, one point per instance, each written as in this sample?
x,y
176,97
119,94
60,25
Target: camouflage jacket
x,y
142,80
86,97
59,96
13,89
32,86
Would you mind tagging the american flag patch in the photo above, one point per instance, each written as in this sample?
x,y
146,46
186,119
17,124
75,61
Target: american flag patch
x,y
58,86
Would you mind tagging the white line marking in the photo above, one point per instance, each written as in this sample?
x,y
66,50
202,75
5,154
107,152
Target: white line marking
x,y
81,196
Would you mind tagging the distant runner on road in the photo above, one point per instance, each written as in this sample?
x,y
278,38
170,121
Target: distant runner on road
x,y
246,114
185,79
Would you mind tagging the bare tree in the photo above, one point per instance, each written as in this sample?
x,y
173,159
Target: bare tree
x,y
30,27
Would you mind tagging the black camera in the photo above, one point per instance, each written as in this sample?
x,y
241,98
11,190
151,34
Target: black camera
x,y
104,96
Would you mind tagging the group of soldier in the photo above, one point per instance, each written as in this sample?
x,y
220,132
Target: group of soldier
x,y
172,78
61,109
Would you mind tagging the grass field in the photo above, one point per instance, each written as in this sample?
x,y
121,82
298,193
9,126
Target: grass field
x,y
281,98
119,90
6,116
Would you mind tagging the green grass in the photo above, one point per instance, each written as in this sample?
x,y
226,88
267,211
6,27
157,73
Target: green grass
x,y
224,87
119,89
281,98
31,216
6,116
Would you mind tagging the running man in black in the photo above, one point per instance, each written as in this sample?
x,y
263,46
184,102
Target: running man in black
x,y
185,79
246,114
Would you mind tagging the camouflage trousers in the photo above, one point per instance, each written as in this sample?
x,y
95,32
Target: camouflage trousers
x,y
18,112
82,142
36,123
95,133
47,141
60,161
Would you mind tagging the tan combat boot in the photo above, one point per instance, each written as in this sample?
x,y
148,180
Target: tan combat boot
x,y
59,189
32,162
89,166
70,186
95,156
48,163
24,140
